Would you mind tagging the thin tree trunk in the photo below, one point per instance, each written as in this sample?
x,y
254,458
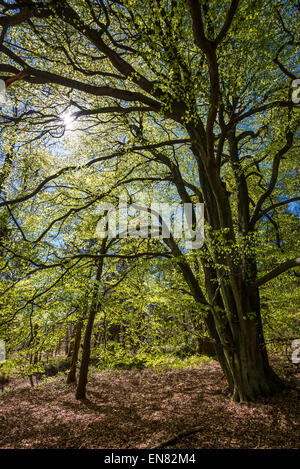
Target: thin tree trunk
x,y
86,352
71,342
34,354
75,352
68,341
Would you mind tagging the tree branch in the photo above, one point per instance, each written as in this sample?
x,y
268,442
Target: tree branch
x,y
274,176
274,273
278,204
228,21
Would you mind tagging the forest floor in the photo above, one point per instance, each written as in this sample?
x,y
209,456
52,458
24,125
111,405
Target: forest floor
x,y
143,409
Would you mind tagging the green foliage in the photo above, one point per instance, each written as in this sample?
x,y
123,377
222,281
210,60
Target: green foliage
x,y
118,358
108,89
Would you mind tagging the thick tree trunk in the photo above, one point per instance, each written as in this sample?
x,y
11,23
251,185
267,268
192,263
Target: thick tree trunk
x,y
239,337
76,345
86,352
241,351
251,373
246,354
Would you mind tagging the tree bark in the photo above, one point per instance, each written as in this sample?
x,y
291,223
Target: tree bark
x,y
234,319
86,352
76,345
249,365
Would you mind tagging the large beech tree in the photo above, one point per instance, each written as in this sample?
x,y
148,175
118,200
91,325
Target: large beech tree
x,y
216,76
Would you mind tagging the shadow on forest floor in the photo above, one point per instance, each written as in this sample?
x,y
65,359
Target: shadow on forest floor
x,y
142,409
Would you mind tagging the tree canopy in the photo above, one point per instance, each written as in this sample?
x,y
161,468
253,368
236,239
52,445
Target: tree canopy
x,y
178,102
